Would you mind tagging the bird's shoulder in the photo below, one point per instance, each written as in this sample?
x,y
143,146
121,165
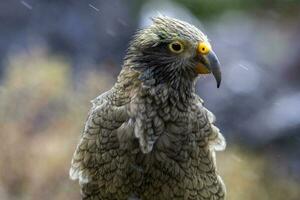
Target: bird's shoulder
x,y
107,124
102,98
99,140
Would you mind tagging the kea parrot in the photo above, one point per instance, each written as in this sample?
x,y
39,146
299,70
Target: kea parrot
x,y
150,137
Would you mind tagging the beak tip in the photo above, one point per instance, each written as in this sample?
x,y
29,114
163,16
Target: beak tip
x,y
218,84
217,76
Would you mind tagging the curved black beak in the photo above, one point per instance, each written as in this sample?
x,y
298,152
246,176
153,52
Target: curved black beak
x,y
213,64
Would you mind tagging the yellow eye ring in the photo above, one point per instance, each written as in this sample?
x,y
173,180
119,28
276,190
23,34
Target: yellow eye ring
x,y
204,48
176,47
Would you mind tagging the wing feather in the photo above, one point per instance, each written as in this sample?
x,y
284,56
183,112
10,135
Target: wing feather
x,y
215,137
99,138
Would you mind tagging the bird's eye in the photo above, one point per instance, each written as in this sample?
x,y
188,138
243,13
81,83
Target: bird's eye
x,y
176,47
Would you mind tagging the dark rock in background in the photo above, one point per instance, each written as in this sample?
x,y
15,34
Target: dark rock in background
x,y
83,31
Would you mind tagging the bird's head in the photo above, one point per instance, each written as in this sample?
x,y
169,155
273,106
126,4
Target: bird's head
x,y
172,52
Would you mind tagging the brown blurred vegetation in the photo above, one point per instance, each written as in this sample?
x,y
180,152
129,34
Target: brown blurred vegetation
x,y
42,115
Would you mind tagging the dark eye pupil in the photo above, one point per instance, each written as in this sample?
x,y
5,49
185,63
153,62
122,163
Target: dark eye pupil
x,y
176,47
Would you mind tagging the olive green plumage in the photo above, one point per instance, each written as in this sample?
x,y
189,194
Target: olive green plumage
x,y
150,137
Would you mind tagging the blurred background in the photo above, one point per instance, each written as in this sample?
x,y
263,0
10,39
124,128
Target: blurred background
x,y
55,56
